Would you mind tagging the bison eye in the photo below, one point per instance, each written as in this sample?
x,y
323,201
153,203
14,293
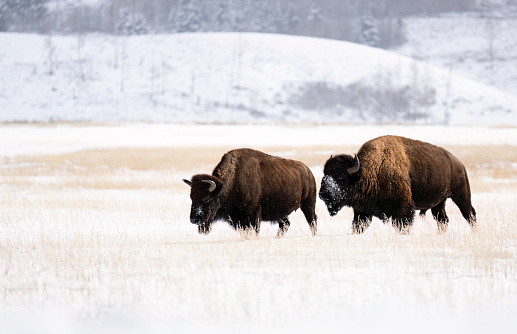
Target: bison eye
x,y
206,199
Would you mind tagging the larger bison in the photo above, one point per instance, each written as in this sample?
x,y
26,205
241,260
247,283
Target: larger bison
x,y
247,187
391,177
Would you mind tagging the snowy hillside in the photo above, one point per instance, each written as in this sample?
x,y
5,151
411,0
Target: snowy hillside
x,y
232,78
483,48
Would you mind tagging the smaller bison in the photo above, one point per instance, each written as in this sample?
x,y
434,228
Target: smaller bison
x,y
247,187
391,177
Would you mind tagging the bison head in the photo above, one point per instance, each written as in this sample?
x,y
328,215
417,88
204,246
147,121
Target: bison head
x,y
204,191
339,175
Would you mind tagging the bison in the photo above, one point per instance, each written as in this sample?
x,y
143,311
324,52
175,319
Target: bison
x,y
391,177
249,186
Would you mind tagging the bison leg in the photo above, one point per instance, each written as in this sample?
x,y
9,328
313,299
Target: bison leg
x,y
255,223
308,207
256,228
361,222
402,225
310,216
402,217
441,217
403,221
248,226
283,226
250,231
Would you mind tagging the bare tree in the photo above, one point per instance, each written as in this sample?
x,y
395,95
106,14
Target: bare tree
x,y
491,35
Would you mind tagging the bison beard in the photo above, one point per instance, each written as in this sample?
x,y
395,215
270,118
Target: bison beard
x,y
247,187
391,177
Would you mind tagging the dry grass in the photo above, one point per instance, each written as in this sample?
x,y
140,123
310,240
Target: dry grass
x,y
130,168
155,168
99,231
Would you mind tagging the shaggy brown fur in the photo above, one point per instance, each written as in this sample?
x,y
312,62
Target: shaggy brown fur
x,y
250,187
396,176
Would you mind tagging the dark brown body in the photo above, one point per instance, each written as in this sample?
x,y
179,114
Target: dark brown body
x,y
395,177
249,187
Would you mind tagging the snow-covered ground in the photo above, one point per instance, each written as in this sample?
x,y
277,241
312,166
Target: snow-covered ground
x,y
19,139
98,241
233,78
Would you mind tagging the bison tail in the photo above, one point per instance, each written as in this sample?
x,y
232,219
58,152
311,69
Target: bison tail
x,y
472,219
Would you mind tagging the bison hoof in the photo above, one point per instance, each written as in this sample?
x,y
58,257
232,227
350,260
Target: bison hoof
x,y
406,230
442,228
203,229
359,227
357,230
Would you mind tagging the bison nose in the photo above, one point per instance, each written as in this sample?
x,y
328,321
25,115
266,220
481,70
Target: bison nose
x,y
195,221
324,196
196,217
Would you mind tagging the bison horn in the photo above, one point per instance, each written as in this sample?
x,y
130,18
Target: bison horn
x,y
355,168
211,183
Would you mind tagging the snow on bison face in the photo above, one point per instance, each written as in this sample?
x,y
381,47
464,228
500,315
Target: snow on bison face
x,y
332,194
203,193
339,173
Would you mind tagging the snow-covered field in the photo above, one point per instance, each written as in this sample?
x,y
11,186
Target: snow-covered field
x,y
94,229
95,238
233,78
56,138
